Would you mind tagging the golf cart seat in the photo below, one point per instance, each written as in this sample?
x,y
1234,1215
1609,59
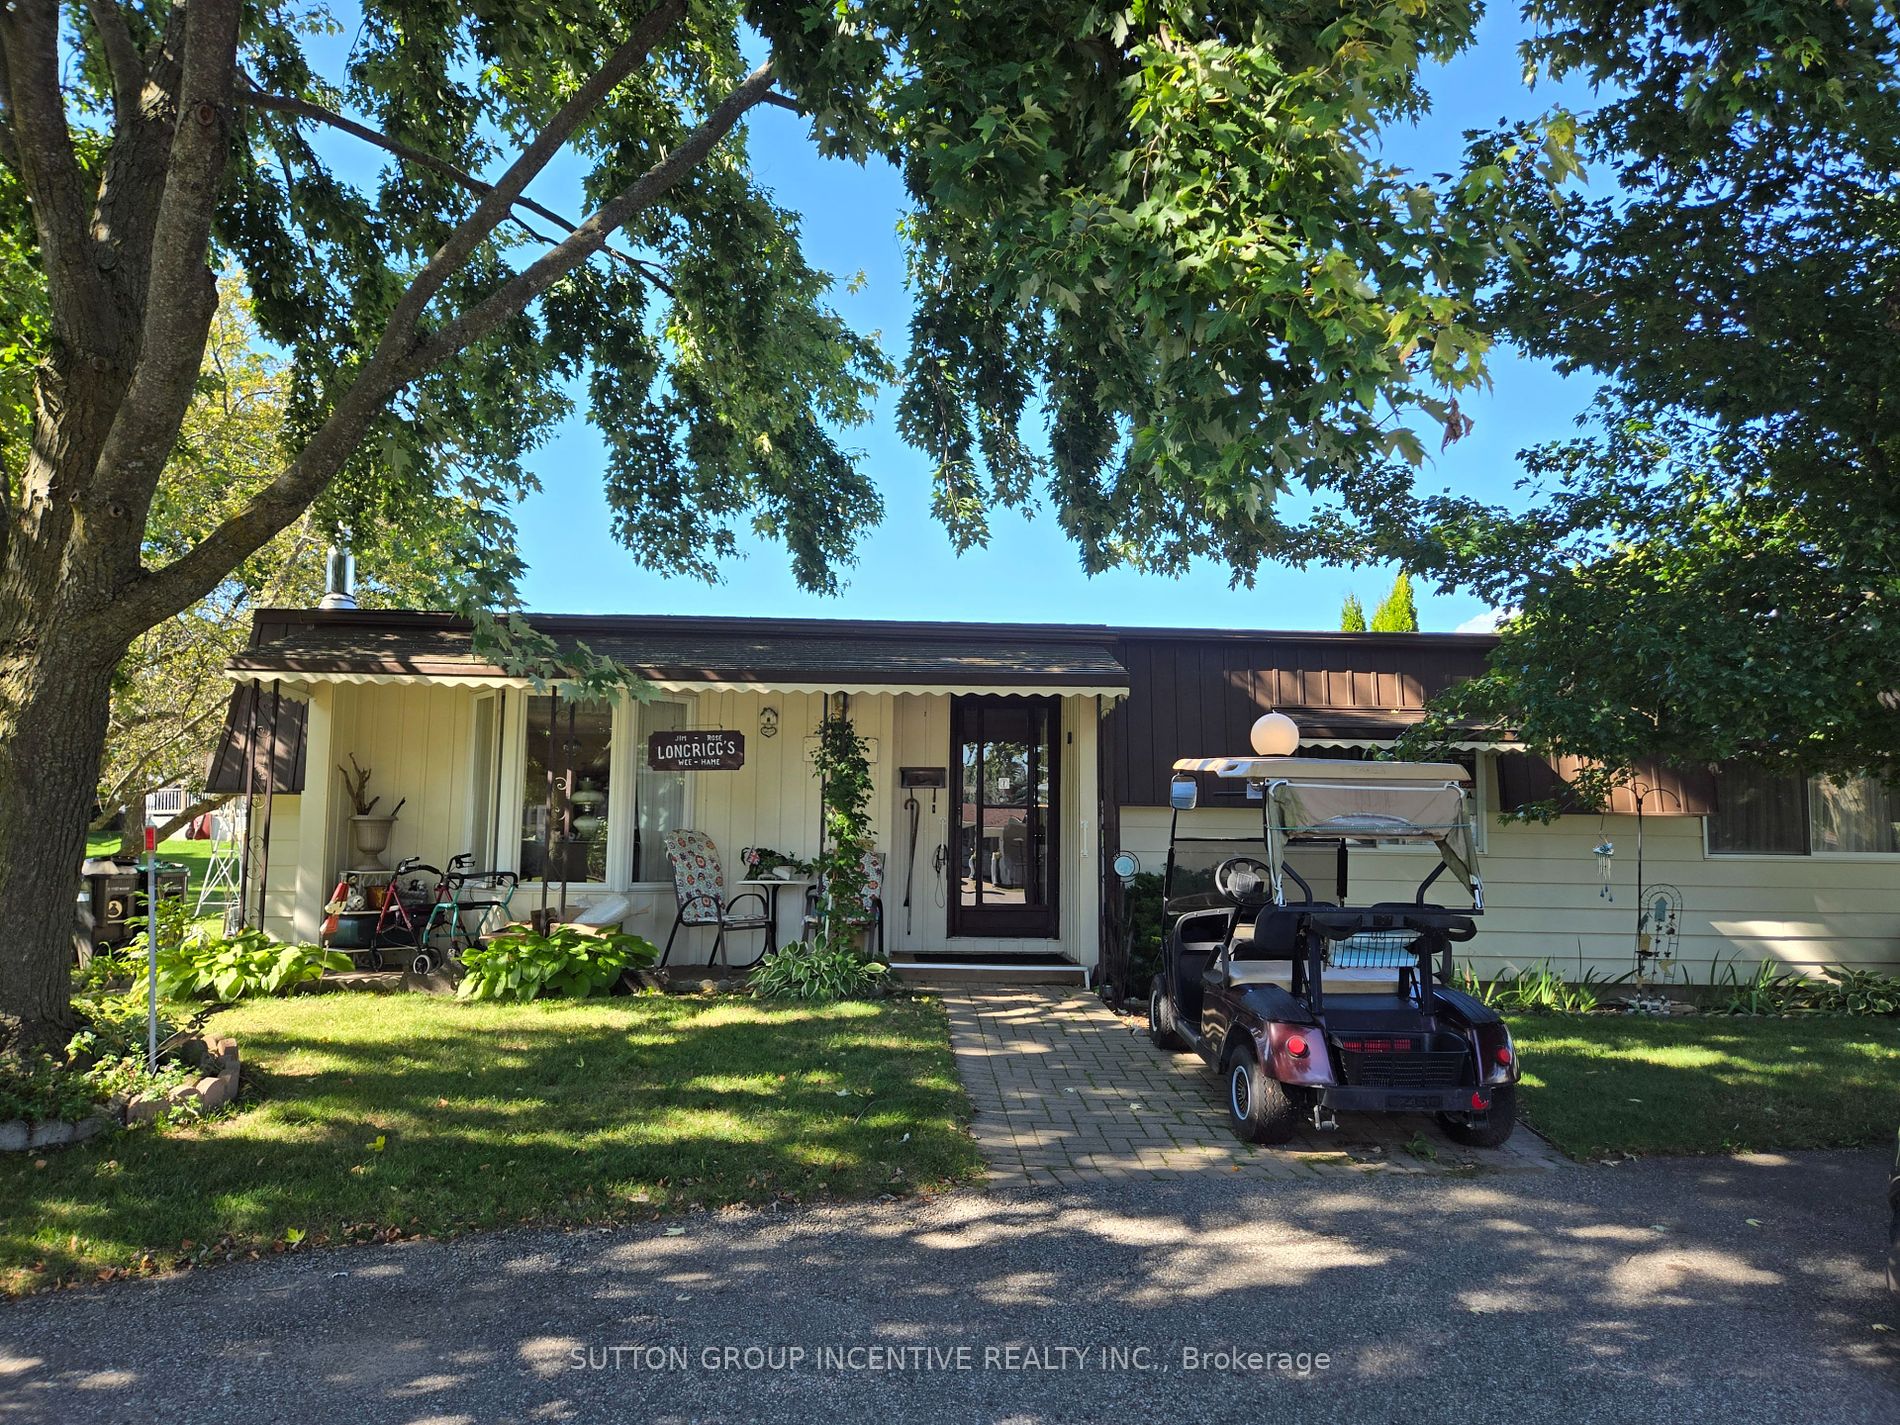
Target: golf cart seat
x,y
1260,972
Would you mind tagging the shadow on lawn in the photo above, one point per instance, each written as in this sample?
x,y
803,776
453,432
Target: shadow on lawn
x,y
446,1117
1591,1294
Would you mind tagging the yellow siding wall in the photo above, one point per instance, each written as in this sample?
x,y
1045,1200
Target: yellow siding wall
x,y
415,741
1542,895
280,867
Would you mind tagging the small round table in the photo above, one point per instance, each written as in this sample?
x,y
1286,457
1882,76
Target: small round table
x,y
769,887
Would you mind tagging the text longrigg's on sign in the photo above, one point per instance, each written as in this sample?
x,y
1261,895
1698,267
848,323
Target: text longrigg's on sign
x,y
696,750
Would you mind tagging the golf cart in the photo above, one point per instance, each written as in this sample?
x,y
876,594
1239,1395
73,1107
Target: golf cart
x,y
1306,1003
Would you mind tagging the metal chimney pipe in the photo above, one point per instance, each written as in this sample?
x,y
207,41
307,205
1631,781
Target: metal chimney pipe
x,y
339,591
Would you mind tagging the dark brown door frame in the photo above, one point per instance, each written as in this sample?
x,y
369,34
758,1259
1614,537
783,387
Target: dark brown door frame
x,y
1014,920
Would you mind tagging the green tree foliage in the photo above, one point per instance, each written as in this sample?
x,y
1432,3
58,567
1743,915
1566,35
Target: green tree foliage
x,y
1711,570
1352,615
1397,613
170,695
1169,228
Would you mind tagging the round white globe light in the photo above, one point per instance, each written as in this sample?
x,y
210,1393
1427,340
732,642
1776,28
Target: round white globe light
x,y
1275,735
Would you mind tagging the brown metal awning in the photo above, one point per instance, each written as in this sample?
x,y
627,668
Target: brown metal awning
x,y
277,737
781,655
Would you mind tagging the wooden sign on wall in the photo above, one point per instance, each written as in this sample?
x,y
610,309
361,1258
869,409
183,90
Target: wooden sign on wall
x,y
696,750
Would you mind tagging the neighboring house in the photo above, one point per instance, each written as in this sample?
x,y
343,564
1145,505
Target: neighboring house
x,y
1054,744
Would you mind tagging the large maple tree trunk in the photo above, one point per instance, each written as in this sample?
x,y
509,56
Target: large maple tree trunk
x,y
55,692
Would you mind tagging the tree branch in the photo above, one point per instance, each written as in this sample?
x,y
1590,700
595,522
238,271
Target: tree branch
x,y
515,294
47,163
181,293
195,573
256,98
123,59
495,205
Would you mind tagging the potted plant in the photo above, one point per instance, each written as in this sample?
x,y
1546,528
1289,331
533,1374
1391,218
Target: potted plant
x,y
369,833
763,861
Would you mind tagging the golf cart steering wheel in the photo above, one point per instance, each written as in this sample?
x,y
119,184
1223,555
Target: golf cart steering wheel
x,y
1225,875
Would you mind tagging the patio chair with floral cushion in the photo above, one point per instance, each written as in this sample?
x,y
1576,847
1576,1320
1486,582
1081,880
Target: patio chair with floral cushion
x,y
699,885
871,918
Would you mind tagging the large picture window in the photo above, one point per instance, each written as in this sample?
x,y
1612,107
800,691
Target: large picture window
x,y
573,846
608,828
1856,814
659,798
1759,812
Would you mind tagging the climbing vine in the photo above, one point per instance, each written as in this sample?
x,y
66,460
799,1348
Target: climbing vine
x,y
845,775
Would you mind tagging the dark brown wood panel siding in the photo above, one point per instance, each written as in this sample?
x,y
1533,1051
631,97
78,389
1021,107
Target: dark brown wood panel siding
x,y
1195,695
1525,778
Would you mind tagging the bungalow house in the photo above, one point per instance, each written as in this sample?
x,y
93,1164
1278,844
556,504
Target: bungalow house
x,y
1010,763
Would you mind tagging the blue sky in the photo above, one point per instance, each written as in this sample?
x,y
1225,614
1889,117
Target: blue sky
x,y
1028,572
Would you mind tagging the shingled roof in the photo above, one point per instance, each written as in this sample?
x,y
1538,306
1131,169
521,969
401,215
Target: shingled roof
x,y
812,654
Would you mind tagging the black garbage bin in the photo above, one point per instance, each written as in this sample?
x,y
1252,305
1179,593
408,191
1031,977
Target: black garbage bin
x,y
115,895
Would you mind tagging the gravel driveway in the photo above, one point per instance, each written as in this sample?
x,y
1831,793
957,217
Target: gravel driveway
x,y
1640,1292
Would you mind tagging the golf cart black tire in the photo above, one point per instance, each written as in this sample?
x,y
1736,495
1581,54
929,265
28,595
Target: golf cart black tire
x,y
1258,1107
1497,1127
1161,1019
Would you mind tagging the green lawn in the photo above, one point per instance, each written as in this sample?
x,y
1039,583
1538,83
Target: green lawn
x,y
1603,1084
365,1113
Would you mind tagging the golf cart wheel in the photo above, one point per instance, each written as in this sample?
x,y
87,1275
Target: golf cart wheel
x,y
422,964
1257,1103
1161,1018
1496,1128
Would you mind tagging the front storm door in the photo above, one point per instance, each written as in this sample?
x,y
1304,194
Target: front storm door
x,y
1003,756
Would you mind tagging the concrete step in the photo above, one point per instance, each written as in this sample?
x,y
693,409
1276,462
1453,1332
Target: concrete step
x,y
920,969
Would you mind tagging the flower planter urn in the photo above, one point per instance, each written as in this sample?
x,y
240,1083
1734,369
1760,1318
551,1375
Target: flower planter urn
x,y
371,837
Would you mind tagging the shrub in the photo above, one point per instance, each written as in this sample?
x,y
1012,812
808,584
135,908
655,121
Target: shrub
x,y
524,965
841,764
104,1060
1144,917
1776,990
816,972
114,1025
1539,989
227,968
39,1088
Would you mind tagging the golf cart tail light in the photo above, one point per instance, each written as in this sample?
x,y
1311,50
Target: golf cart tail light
x,y
1477,1102
1504,1055
1296,1046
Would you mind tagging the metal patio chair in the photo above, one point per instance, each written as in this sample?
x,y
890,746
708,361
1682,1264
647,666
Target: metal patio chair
x,y
871,918
699,885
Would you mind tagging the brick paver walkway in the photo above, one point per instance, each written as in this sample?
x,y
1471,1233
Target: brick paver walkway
x,y
1064,1091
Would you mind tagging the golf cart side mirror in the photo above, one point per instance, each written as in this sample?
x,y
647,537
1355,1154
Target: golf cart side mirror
x,y
1127,865
1184,793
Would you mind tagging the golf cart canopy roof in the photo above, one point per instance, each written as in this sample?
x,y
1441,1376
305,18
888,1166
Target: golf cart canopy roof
x,y
1320,799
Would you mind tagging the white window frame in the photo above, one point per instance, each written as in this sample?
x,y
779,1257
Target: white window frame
x,y
1710,854
623,747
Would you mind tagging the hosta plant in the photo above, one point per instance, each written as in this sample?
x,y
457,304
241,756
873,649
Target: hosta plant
x,y
807,971
567,961
227,968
